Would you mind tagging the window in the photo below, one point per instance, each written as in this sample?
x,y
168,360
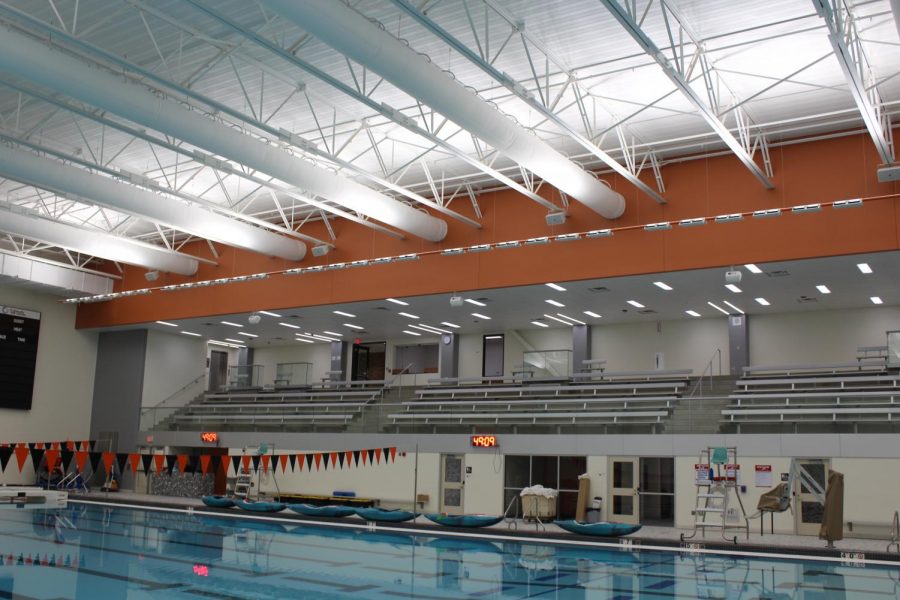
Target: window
x,y
557,472
420,358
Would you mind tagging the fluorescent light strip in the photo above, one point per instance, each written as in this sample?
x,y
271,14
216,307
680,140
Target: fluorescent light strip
x,y
475,302
230,324
479,248
481,316
510,244
718,308
567,237
693,313
493,337
226,344
555,303
864,268
848,203
430,328
395,301
539,324
663,286
763,301
753,268
729,218
333,333
733,306
291,325
557,319
304,340
635,304
167,324
344,314
591,313
823,289
408,332
764,214
657,226
599,233
191,333
453,325
324,338
556,287
876,300
408,315
269,313
249,335
305,336
234,340
352,326
571,319
733,288
692,222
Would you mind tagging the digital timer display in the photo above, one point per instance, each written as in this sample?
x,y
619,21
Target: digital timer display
x,y
485,441
210,437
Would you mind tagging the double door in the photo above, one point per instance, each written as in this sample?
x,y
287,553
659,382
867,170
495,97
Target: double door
x,y
641,490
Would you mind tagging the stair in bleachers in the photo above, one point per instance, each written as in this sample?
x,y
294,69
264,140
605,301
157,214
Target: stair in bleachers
x,y
702,412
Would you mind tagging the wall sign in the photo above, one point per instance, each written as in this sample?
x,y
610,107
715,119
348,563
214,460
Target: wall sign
x,y
210,437
484,441
763,476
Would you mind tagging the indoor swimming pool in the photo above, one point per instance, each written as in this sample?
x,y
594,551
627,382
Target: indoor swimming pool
x,y
97,552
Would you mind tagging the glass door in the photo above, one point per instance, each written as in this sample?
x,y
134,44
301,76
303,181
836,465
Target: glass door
x,y
623,504
452,483
809,512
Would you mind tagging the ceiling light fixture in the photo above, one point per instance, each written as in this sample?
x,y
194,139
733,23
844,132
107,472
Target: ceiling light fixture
x,y
555,303
226,344
599,233
635,304
481,316
167,324
718,308
753,268
539,324
557,319
304,340
429,329
475,302
692,222
693,313
234,340
823,289
408,315
352,326
571,319
408,332
395,301
249,335
230,324
663,286
269,313
733,306
763,301
291,325
591,313
191,333
333,333
864,268
344,314
876,300
453,325
556,287
733,288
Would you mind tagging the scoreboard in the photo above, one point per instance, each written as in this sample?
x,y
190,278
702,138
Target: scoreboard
x,y
19,330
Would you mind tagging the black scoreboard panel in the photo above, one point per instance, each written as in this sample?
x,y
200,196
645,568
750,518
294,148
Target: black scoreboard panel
x,y
19,330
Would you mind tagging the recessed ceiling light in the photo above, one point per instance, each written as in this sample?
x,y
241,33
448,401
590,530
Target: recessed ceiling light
x,y
249,335
733,306
571,318
344,314
876,300
823,289
226,344
191,333
304,340
864,267
408,332
230,324
333,333
555,303
475,302
291,325
481,316
693,313
753,268
763,301
733,288
408,316
493,337
453,325
557,319
635,304
234,340
429,328
556,287
539,324
591,313
324,338
268,312
305,336
718,308
167,324
352,326
395,301
663,286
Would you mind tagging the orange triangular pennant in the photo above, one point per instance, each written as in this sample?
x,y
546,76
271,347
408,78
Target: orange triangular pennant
x,y
264,459
245,462
160,461
204,463
134,459
52,456
182,462
317,457
334,459
80,458
283,459
393,453
378,455
349,455
365,454
21,454
108,458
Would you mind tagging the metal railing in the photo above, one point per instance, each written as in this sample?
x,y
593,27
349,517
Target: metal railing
x,y
181,397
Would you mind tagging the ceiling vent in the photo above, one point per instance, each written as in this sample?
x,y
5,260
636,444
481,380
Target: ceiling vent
x,y
781,273
647,311
807,300
381,308
599,289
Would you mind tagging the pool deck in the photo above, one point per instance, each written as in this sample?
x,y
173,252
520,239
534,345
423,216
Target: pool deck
x,y
648,536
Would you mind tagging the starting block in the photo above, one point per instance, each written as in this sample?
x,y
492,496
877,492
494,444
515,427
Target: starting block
x,y
32,497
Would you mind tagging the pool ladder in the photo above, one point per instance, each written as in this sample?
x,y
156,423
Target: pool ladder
x,y
895,533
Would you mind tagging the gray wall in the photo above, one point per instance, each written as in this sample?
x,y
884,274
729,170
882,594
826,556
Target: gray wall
x,y
118,387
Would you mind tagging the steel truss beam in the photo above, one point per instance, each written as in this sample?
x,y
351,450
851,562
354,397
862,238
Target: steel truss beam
x,y
543,103
679,69
847,45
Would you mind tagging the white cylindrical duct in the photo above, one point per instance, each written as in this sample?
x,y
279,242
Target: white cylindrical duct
x,y
30,59
352,34
50,174
96,243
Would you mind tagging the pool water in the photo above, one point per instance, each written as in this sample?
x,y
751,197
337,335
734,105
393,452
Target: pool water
x,y
94,552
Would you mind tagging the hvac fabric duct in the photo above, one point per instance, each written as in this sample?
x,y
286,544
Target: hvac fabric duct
x,y
352,34
30,59
95,243
52,175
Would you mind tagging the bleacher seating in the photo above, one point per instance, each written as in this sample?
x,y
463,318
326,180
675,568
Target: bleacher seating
x,y
839,397
633,399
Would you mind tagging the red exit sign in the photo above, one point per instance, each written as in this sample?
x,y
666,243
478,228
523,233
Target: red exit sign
x,y
485,441
210,437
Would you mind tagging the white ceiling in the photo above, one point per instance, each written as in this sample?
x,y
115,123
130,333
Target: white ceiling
x,y
774,56
788,286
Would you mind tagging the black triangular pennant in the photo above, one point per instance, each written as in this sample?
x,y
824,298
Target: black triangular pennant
x,y
255,460
236,463
66,457
36,455
121,460
215,463
91,445
292,458
371,453
32,445
94,457
5,454
309,462
146,460
341,459
170,461
386,453
356,457
326,456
